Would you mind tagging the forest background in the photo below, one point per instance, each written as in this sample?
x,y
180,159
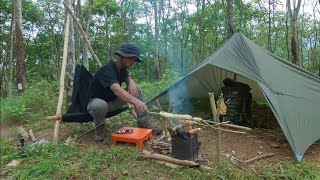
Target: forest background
x,y
174,36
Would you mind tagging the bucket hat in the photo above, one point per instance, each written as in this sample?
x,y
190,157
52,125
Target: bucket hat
x,y
129,50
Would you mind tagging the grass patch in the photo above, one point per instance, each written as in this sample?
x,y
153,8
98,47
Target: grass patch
x,y
124,162
38,100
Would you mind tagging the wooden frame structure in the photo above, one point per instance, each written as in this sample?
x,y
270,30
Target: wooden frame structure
x,y
58,116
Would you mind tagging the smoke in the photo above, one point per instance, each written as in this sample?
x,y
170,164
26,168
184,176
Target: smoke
x,y
179,99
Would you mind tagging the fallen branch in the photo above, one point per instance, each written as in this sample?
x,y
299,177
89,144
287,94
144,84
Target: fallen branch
x,y
258,158
173,166
161,157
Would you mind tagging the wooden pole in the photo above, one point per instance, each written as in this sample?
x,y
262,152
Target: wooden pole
x,y
215,113
165,121
83,34
62,75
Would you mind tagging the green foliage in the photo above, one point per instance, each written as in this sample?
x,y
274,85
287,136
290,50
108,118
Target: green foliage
x,y
150,89
7,151
38,101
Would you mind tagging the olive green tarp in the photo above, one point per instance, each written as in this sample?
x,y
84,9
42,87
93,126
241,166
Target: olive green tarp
x,y
292,93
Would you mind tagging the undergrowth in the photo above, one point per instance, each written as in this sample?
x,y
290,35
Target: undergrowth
x,y
38,101
60,161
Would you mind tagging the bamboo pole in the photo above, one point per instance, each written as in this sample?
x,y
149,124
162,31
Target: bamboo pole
x,y
62,75
82,33
215,113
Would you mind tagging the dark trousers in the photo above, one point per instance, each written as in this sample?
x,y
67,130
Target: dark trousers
x,y
98,108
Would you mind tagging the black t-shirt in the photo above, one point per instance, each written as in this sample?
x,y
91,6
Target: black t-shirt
x,y
101,81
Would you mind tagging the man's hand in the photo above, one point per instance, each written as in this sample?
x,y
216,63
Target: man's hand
x,y
140,107
132,89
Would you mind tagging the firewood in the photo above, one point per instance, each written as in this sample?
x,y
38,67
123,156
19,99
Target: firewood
x,y
170,165
161,157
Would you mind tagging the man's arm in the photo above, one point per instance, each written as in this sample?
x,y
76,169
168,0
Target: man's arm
x,y
140,107
132,87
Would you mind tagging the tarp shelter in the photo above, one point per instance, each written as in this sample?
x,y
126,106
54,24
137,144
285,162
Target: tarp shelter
x,y
292,93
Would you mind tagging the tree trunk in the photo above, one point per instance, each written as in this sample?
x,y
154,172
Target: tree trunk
x,y
21,64
287,38
230,20
77,39
156,50
294,36
201,32
107,39
87,26
10,50
269,26
70,63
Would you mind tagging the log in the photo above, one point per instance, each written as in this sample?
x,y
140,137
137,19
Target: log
x,y
62,75
170,165
161,157
258,158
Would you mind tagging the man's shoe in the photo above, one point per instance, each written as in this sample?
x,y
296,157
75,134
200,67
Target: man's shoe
x,y
99,138
143,122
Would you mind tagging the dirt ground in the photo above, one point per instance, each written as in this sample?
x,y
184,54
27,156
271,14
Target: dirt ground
x,y
241,147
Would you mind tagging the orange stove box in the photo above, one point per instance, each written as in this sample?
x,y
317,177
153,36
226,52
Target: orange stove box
x,y
138,136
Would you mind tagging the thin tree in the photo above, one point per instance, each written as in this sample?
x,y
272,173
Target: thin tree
x,y
70,67
10,53
156,41
201,31
230,21
85,59
293,15
21,64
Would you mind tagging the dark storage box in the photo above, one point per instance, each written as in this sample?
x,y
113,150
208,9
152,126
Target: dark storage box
x,y
185,148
